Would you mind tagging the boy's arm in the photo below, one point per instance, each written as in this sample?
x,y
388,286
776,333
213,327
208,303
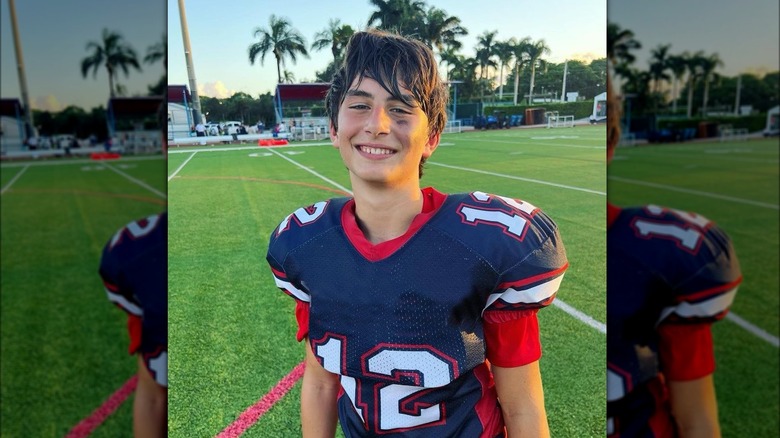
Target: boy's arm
x,y
319,410
522,400
150,407
695,407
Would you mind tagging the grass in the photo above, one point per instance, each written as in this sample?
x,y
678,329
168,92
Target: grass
x,y
736,185
64,346
232,331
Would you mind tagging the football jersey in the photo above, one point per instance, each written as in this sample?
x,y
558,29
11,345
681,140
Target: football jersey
x,y
666,270
134,269
401,322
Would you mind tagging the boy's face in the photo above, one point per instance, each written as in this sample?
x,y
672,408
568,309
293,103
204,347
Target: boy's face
x,y
382,139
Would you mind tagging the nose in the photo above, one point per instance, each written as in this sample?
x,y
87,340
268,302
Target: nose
x,y
378,122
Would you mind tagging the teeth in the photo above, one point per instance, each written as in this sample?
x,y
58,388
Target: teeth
x,y
375,151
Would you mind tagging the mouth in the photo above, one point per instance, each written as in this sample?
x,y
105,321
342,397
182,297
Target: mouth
x,y
375,150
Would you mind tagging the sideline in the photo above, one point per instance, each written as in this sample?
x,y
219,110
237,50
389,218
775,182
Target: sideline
x,y
13,180
99,415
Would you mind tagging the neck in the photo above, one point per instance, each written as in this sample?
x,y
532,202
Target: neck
x,y
384,213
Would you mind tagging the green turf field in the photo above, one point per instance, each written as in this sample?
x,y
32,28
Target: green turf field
x,y
232,331
64,345
734,184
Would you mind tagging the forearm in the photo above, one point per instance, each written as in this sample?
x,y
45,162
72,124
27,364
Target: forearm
x,y
150,407
319,412
695,407
522,401
319,409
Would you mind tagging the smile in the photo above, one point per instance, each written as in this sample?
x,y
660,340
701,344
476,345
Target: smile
x,y
371,150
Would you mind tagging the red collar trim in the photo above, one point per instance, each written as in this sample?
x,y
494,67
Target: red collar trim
x,y
612,214
432,200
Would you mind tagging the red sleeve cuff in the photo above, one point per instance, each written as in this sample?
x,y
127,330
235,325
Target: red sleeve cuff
x,y
302,316
134,326
512,338
686,351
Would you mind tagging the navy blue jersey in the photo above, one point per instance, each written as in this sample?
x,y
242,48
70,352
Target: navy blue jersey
x,y
134,269
402,324
665,268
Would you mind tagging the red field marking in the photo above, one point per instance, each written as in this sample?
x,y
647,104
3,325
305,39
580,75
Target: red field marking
x,y
254,412
99,415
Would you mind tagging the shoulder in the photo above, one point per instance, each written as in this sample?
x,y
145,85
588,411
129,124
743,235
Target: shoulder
x,y
499,226
137,238
305,223
688,250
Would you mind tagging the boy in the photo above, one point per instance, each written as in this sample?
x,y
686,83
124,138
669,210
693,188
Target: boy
x,y
670,274
413,302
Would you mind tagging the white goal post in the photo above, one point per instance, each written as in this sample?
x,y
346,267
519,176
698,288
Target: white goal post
x,y
453,126
554,120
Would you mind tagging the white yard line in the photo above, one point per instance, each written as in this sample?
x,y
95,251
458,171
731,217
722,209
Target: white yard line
x,y
182,166
137,181
563,186
600,326
696,192
755,330
322,177
563,306
13,180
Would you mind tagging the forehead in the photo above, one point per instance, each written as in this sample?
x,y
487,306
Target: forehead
x,y
372,86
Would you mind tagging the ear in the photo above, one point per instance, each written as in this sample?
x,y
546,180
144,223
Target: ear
x,y
334,135
431,144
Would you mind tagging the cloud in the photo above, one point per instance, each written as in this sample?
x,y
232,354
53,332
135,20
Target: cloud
x,y
215,89
46,103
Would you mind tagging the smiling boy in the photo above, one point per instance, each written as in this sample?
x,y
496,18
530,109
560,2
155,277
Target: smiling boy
x,y
418,308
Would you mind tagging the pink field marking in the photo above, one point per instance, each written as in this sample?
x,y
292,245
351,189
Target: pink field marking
x,y
254,412
96,418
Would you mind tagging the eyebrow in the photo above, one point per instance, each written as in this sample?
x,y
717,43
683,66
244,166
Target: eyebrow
x,y
406,99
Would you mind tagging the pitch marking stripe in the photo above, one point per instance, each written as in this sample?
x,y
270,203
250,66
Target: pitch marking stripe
x,y
519,178
254,412
13,180
757,331
330,181
96,418
696,192
182,166
137,181
77,161
600,326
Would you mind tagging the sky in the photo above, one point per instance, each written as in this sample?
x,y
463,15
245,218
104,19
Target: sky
x,y
53,38
221,35
745,34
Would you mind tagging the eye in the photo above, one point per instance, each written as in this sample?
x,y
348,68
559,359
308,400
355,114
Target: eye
x,y
359,106
400,110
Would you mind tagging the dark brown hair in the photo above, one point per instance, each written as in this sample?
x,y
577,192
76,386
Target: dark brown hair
x,y
394,61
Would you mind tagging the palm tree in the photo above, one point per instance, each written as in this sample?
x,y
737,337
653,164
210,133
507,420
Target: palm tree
x,y
659,63
504,52
282,40
158,52
112,53
449,57
335,36
535,52
692,64
288,77
484,56
403,16
620,43
520,54
707,66
440,30
677,66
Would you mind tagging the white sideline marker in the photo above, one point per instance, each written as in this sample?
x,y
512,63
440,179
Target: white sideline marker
x,y
182,165
13,180
137,181
755,330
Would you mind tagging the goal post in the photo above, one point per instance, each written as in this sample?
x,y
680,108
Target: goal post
x,y
453,126
555,120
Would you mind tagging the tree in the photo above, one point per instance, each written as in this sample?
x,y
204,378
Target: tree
x,y
282,40
659,63
335,36
535,52
158,52
620,43
403,16
112,53
440,30
504,51
707,66
520,54
676,65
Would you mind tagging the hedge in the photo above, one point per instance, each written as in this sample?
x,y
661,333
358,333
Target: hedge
x,y
753,123
580,110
